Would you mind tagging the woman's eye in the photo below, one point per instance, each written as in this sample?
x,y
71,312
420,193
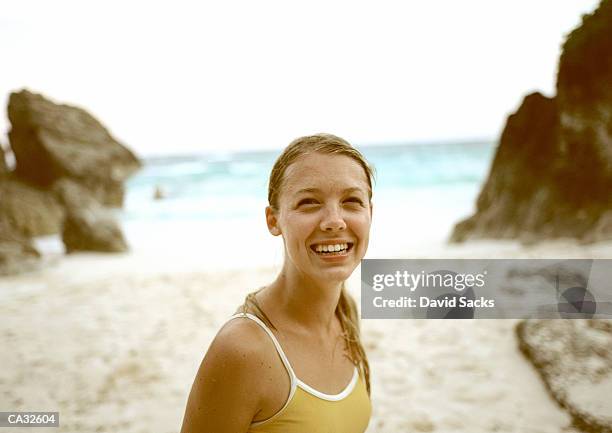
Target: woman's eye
x,y
354,200
307,201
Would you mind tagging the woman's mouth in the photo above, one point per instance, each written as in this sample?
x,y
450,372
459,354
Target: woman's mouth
x,y
339,249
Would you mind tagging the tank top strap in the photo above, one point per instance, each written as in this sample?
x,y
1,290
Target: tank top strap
x,y
279,349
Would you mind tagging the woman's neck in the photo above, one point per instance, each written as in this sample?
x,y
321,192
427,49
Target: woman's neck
x,y
306,304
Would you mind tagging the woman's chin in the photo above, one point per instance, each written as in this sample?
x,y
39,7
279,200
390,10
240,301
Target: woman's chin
x,y
328,276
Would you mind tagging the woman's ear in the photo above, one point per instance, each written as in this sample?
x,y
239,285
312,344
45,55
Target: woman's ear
x,y
272,221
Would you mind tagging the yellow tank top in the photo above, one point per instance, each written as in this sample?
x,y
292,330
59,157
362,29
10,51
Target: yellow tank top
x,y
310,411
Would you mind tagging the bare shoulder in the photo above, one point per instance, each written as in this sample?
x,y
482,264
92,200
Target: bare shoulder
x,y
241,334
240,346
229,380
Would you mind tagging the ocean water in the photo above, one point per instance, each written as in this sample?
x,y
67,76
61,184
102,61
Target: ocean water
x,y
214,203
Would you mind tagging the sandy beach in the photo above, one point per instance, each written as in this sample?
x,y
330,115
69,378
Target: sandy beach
x,y
113,342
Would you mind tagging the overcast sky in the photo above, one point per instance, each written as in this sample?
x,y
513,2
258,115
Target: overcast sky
x,y
174,77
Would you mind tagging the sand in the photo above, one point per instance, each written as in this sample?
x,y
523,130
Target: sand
x,y
113,343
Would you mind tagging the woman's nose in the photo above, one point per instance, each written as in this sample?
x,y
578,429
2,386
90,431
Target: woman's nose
x,y
332,220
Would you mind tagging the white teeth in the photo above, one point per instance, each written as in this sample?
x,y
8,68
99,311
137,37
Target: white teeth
x,y
331,248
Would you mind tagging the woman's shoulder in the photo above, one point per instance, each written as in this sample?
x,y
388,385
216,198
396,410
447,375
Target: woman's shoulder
x,y
231,377
240,349
242,335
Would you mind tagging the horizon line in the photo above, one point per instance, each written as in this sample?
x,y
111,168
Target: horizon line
x,y
368,145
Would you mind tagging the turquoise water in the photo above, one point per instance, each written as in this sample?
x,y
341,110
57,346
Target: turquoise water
x,y
217,187
213,212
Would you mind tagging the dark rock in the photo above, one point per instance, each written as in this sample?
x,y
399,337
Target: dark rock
x,y
159,193
585,64
16,251
52,141
88,226
71,194
67,167
30,210
519,169
3,167
602,229
552,173
584,93
574,359
92,229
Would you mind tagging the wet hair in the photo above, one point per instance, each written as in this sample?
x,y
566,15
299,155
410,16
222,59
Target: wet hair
x,y
346,310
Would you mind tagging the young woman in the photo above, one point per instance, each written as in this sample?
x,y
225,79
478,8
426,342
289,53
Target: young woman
x,y
290,360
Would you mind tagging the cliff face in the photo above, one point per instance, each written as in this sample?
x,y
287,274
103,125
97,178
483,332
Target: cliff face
x,y
584,94
552,173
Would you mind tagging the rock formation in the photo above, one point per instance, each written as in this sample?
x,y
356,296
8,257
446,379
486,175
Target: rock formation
x,y
16,251
87,229
31,210
17,254
574,358
52,141
87,226
68,168
3,167
552,174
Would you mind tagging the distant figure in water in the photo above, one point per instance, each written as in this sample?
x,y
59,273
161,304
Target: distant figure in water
x,y
290,359
159,193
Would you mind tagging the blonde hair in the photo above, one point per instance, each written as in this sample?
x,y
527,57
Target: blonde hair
x,y
346,310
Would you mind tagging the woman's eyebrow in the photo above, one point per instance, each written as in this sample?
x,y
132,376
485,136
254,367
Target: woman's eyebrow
x,y
306,190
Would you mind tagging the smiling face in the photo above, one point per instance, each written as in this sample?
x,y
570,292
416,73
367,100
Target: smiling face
x,y
324,215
